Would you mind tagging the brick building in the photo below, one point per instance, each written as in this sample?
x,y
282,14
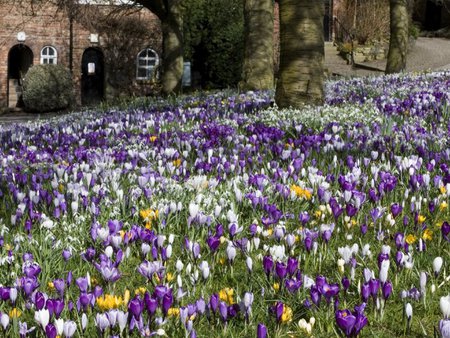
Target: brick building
x,y
110,50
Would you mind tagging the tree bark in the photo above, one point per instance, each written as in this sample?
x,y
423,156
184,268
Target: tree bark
x,y
258,58
301,53
398,43
169,13
172,58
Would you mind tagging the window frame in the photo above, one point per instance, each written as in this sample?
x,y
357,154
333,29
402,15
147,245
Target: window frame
x,y
149,68
47,57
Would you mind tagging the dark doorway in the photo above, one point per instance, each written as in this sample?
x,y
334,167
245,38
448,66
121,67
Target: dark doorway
x,y
433,16
20,59
93,76
327,23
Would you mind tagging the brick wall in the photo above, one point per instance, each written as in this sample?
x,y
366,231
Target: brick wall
x,y
122,34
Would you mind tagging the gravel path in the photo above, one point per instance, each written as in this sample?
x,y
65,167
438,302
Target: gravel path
x,y
427,54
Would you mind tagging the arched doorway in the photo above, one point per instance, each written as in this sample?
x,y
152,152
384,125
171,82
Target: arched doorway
x,y
433,15
20,59
93,76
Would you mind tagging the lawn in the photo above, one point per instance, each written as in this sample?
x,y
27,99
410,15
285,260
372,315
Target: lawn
x,y
221,216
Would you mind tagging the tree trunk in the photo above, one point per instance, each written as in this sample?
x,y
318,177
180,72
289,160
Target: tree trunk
x,y
172,58
398,44
258,58
302,53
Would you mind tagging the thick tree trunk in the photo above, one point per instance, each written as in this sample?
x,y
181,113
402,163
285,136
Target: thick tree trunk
x,y
398,44
172,58
302,53
258,58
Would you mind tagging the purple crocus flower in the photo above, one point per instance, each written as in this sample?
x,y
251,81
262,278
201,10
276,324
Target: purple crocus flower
x,y
135,306
315,295
281,270
345,283
267,265
213,243
292,265
261,331
160,291
151,304
386,289
84,301
278,309
214,302
365,292
82,283
293,284
108,270
167,302
445,231
396,209
32,270
223,311
444,328
39,300
50,331
29,285
374,286
89,254
351,323
329,290
60,286
304,217
66,255
308,241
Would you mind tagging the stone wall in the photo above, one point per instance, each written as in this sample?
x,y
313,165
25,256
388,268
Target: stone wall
x,y
121,35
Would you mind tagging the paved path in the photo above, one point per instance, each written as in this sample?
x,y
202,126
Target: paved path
x,y
427,54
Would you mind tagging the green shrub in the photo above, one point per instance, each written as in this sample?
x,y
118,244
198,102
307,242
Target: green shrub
x,y
414,30
48,88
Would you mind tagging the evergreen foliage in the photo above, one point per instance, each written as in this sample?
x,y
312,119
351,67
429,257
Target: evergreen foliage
x,y
214,41
48,88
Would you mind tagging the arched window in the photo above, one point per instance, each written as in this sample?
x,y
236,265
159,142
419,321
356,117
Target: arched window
x,y
147,60
49,55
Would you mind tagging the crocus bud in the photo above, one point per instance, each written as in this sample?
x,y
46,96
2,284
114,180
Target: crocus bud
x,y
384,270
249,263
386,290
444,304
4,320
408,311
423,282
437,265
261,331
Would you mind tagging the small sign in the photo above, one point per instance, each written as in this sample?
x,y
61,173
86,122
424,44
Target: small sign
x,y
91,68
93,38
21,36
186,79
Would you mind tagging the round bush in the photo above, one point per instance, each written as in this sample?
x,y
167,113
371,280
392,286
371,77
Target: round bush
x,y
48,88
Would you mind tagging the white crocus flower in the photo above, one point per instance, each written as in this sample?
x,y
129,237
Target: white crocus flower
x,y
249,263
384,270
193,210
444,304
4,320
437,265
408,311
69,328
59,324
42,317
